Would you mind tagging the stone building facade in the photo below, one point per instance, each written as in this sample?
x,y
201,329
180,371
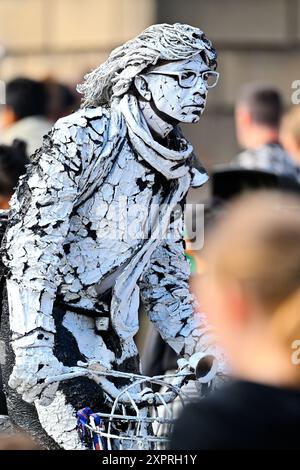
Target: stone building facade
x,y
256,40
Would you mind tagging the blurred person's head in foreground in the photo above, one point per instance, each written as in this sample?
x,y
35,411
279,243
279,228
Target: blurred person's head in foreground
x,y
258,113
251,288
24,98
13,161
290,133
17,442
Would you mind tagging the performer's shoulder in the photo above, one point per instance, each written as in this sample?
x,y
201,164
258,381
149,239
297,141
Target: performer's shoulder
x,y
84,118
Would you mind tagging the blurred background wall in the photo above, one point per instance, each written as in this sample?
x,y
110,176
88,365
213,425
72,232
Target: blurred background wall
x,y
256,40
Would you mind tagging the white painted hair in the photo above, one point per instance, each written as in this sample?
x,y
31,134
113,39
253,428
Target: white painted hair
x,y
160,42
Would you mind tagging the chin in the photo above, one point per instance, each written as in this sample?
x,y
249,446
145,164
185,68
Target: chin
x,y
191,118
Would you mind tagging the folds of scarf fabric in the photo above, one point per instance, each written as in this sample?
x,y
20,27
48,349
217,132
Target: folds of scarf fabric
x,y
170,163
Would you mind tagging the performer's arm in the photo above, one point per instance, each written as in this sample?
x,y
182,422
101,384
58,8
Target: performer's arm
x,y
171,307
38,225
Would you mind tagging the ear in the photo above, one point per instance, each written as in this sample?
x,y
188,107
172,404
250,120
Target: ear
x,y
8,116
238,305
141,85
244,115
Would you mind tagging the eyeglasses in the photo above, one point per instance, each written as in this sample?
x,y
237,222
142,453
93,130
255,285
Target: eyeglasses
x,y
189,78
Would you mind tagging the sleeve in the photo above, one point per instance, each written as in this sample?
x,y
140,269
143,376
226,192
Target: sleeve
x,y
169,304
38,225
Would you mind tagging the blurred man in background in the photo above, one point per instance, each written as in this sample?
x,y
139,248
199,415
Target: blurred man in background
x,y
61,99
24,114
258,114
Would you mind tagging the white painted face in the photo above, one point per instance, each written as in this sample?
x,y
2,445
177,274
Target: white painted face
x,y
179,89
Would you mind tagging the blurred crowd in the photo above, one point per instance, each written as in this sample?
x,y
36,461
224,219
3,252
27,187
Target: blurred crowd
x,y
31,108
247,277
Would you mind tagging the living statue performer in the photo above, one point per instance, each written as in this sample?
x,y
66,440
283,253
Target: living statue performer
x,y
75,276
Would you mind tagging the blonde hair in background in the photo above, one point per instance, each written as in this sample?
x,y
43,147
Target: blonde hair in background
x,y
257,244
291,123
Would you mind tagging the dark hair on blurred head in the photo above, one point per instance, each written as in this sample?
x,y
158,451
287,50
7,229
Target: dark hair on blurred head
x,y
264,103
13,161
61,99
26,97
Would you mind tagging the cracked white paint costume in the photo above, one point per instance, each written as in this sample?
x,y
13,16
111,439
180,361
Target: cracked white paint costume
x,y
82,250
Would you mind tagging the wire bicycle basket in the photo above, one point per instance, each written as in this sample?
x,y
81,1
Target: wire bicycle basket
x,y
142,412
138,420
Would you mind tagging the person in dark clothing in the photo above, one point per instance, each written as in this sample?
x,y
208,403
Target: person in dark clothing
x,y
251,293
62,100
258,115
24,114
13,161
244,415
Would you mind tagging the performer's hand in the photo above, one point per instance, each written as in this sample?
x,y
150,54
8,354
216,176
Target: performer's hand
x,y
94,367
207,368
31,368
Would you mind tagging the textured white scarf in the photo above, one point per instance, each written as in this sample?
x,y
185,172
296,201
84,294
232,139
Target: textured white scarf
x,y
170,163
175,166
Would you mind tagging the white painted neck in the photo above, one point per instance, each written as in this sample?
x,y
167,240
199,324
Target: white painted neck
x,y
156,124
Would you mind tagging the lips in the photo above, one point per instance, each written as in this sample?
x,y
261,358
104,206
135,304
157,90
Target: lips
x,y
194,104
198,106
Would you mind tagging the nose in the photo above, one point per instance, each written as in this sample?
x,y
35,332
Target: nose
x,y
200,86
